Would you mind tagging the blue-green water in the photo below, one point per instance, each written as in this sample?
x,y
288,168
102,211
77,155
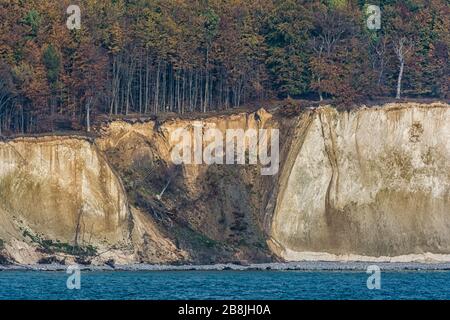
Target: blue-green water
x,y
225,285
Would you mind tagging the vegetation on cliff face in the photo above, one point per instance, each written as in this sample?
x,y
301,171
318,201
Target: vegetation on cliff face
x,y
50,246
211,212
152,56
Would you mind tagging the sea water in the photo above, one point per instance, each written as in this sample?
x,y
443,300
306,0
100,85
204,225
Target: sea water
x,y
267,285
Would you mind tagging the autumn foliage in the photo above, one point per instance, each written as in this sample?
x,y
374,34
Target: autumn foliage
x,y
154,56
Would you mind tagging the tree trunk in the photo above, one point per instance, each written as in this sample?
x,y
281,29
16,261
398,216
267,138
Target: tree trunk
x,y
205,102
88,115
156,102
399,82
320,91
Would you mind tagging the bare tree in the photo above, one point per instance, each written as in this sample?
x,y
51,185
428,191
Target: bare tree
x,y
172,172
381,51
402,48
317,47
88,114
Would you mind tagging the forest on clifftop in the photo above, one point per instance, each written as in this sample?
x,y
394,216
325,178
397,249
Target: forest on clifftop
x,y
152,56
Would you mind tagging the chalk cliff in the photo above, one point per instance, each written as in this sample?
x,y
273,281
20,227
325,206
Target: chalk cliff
x,y
60,198
371,183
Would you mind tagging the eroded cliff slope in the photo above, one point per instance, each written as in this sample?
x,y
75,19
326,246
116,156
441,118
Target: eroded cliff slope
x,y
211,211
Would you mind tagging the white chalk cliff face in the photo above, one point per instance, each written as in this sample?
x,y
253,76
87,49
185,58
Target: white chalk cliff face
x,y
372,182
61,189
59,184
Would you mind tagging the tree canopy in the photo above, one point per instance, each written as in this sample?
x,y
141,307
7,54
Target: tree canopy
x,y
154,56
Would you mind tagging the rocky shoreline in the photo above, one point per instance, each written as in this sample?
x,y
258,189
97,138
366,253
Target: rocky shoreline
x,y
288,266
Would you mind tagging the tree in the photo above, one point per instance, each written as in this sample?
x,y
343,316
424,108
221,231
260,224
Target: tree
x,y
402,48
286,34
399,28
6,90
211,22
339,54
